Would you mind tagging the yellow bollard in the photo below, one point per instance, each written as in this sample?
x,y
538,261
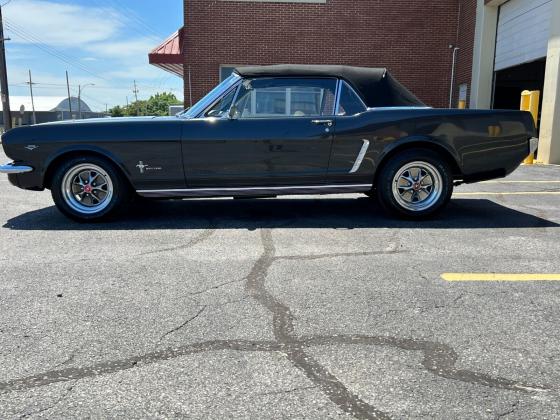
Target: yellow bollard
x,y
462,104
530,102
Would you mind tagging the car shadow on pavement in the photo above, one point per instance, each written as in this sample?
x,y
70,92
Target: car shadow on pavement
x,y
316,213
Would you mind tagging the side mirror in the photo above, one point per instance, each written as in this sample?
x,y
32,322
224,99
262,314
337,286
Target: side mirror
x,y
233,114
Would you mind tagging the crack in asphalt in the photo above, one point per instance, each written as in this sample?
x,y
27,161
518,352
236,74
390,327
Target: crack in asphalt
x,y
204,235
184,324
335,255
216,286
51,406
201,237
105,368
512,410
72,356
283,328
439,359
289,391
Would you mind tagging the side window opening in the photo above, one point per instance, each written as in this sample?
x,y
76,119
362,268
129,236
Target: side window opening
x,y
286,97
350,102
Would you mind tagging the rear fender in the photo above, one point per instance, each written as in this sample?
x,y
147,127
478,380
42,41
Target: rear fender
x,y
422,142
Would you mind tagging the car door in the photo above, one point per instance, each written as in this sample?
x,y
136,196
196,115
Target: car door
x,y
351,160
266,132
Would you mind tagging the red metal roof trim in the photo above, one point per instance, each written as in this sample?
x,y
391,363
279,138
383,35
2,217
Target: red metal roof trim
x,y
169,54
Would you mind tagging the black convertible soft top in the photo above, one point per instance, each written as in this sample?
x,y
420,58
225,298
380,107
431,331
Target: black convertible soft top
x,y
375,85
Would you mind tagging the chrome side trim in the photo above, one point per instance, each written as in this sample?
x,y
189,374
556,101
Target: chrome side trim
x,y
338,93
360,157
533,145
255,191
10,168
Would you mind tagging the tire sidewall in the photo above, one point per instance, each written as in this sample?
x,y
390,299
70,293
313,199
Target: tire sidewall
x,y
121,190
389,171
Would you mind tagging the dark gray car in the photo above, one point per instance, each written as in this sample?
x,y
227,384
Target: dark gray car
x,y
274,130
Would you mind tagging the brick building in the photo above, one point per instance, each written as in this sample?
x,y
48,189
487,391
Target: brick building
x,y
482,52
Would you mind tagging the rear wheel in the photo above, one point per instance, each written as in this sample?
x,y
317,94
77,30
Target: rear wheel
x,y
89,189
415,184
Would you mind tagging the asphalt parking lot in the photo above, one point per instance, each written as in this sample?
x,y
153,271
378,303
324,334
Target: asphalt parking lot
x,y
298,307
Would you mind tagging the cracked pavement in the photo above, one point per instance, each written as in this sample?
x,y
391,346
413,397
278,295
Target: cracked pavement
x,y
299,307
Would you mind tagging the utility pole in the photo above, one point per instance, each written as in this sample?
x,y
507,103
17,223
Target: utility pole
x,y
79,102
4,78
69,97
30,83
127,102
135,91
80,90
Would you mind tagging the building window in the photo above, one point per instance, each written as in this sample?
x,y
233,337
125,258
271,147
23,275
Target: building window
x,y
226,71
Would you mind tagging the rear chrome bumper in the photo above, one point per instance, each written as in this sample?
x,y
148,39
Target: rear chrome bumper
x,y
10,168
533,145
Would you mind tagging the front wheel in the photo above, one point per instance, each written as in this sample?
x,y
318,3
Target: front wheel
x,y
415,184
89,189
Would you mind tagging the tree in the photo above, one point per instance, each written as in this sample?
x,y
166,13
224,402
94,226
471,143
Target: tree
x,y
136,109
157,105
117,111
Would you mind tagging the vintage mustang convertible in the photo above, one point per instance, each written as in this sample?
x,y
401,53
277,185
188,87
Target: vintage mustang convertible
x,y
274,130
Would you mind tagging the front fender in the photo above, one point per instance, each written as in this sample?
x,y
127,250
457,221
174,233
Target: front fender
x,y
77,150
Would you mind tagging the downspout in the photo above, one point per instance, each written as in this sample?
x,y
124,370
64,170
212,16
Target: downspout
x,y
455,50
190,87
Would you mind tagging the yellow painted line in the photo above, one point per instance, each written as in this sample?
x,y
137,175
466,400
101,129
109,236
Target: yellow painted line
x,y
508,193
499,277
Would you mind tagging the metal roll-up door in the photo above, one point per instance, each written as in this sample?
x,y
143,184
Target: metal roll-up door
x,y
523,32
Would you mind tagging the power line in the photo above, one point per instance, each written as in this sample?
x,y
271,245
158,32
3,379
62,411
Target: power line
x,y
89,98
34,39
50,50
130,19
40,85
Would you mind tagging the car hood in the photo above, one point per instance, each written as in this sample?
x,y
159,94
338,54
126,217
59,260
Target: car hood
x,y
108,120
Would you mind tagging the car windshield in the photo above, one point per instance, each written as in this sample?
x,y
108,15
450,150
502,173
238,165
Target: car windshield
x,y
211,97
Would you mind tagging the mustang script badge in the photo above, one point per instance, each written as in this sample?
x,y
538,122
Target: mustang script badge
x,y
144,167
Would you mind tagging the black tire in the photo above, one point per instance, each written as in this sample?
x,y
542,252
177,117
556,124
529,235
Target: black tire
x,y
109,204
394,194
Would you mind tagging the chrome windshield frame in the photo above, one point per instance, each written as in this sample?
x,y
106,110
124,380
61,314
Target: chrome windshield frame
x,y
201,106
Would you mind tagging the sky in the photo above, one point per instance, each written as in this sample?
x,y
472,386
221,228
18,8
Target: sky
x,y
100,42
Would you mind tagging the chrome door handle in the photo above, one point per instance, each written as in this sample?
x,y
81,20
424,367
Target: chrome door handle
x,y
328,123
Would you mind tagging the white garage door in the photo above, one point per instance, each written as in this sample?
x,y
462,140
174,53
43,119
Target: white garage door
x,y
523,31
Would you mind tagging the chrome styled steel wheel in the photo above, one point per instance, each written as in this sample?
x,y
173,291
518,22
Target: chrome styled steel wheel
x,y
87,188
417,186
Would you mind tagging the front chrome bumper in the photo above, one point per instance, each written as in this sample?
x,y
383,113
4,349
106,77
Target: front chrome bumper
x,y
10,168
533,145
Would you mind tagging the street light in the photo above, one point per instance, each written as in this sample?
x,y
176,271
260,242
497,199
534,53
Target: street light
x,y
80,89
